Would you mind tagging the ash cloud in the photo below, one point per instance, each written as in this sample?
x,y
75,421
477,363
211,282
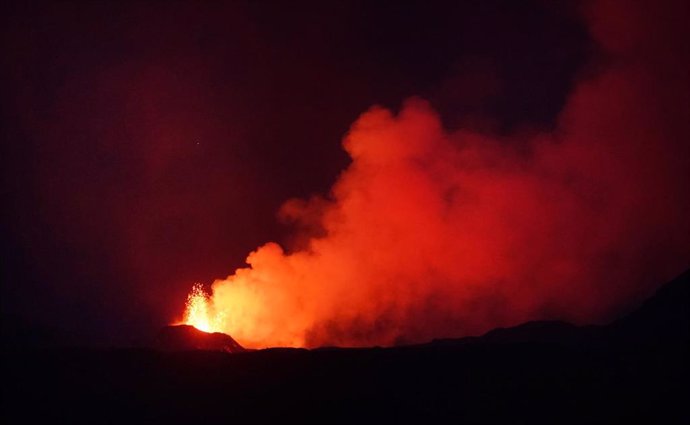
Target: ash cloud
x,y
434,233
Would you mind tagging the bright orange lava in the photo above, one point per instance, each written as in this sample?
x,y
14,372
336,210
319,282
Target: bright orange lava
x,y
197,310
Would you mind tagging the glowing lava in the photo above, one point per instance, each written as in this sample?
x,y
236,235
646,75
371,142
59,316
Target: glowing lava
x,y
198,310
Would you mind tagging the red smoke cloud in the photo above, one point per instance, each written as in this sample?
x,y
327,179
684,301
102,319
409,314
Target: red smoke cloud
x,y
436,233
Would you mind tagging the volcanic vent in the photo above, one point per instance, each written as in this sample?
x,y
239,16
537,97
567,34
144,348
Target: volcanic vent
x,y
185,337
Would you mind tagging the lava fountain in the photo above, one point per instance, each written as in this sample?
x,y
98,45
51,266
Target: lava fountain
x,y
198,310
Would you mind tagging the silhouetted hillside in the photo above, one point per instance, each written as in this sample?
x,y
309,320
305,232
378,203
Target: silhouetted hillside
x,y
634,370
530,332
184,337
664,318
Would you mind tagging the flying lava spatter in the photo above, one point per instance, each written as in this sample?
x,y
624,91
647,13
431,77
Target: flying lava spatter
x,y
198,312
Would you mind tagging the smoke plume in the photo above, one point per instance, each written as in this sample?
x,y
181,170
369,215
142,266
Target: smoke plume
x,y
437,233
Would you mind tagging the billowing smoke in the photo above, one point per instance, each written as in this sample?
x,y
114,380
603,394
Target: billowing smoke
x,y
437,233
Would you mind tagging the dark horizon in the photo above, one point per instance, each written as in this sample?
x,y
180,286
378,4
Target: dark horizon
x,y
633,370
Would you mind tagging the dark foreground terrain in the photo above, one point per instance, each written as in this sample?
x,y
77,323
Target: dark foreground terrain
x,y
634,370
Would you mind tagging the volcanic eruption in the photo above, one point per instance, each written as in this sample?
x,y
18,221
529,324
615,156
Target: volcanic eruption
x,y
198,311
454,212
438,232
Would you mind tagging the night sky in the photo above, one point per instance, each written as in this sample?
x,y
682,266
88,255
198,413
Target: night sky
x,y
148,146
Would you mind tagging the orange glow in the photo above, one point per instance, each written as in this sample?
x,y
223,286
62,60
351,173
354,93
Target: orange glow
x,y
430,233
198,310
433,232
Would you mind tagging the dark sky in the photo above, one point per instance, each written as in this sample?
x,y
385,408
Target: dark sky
x,y
147,146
